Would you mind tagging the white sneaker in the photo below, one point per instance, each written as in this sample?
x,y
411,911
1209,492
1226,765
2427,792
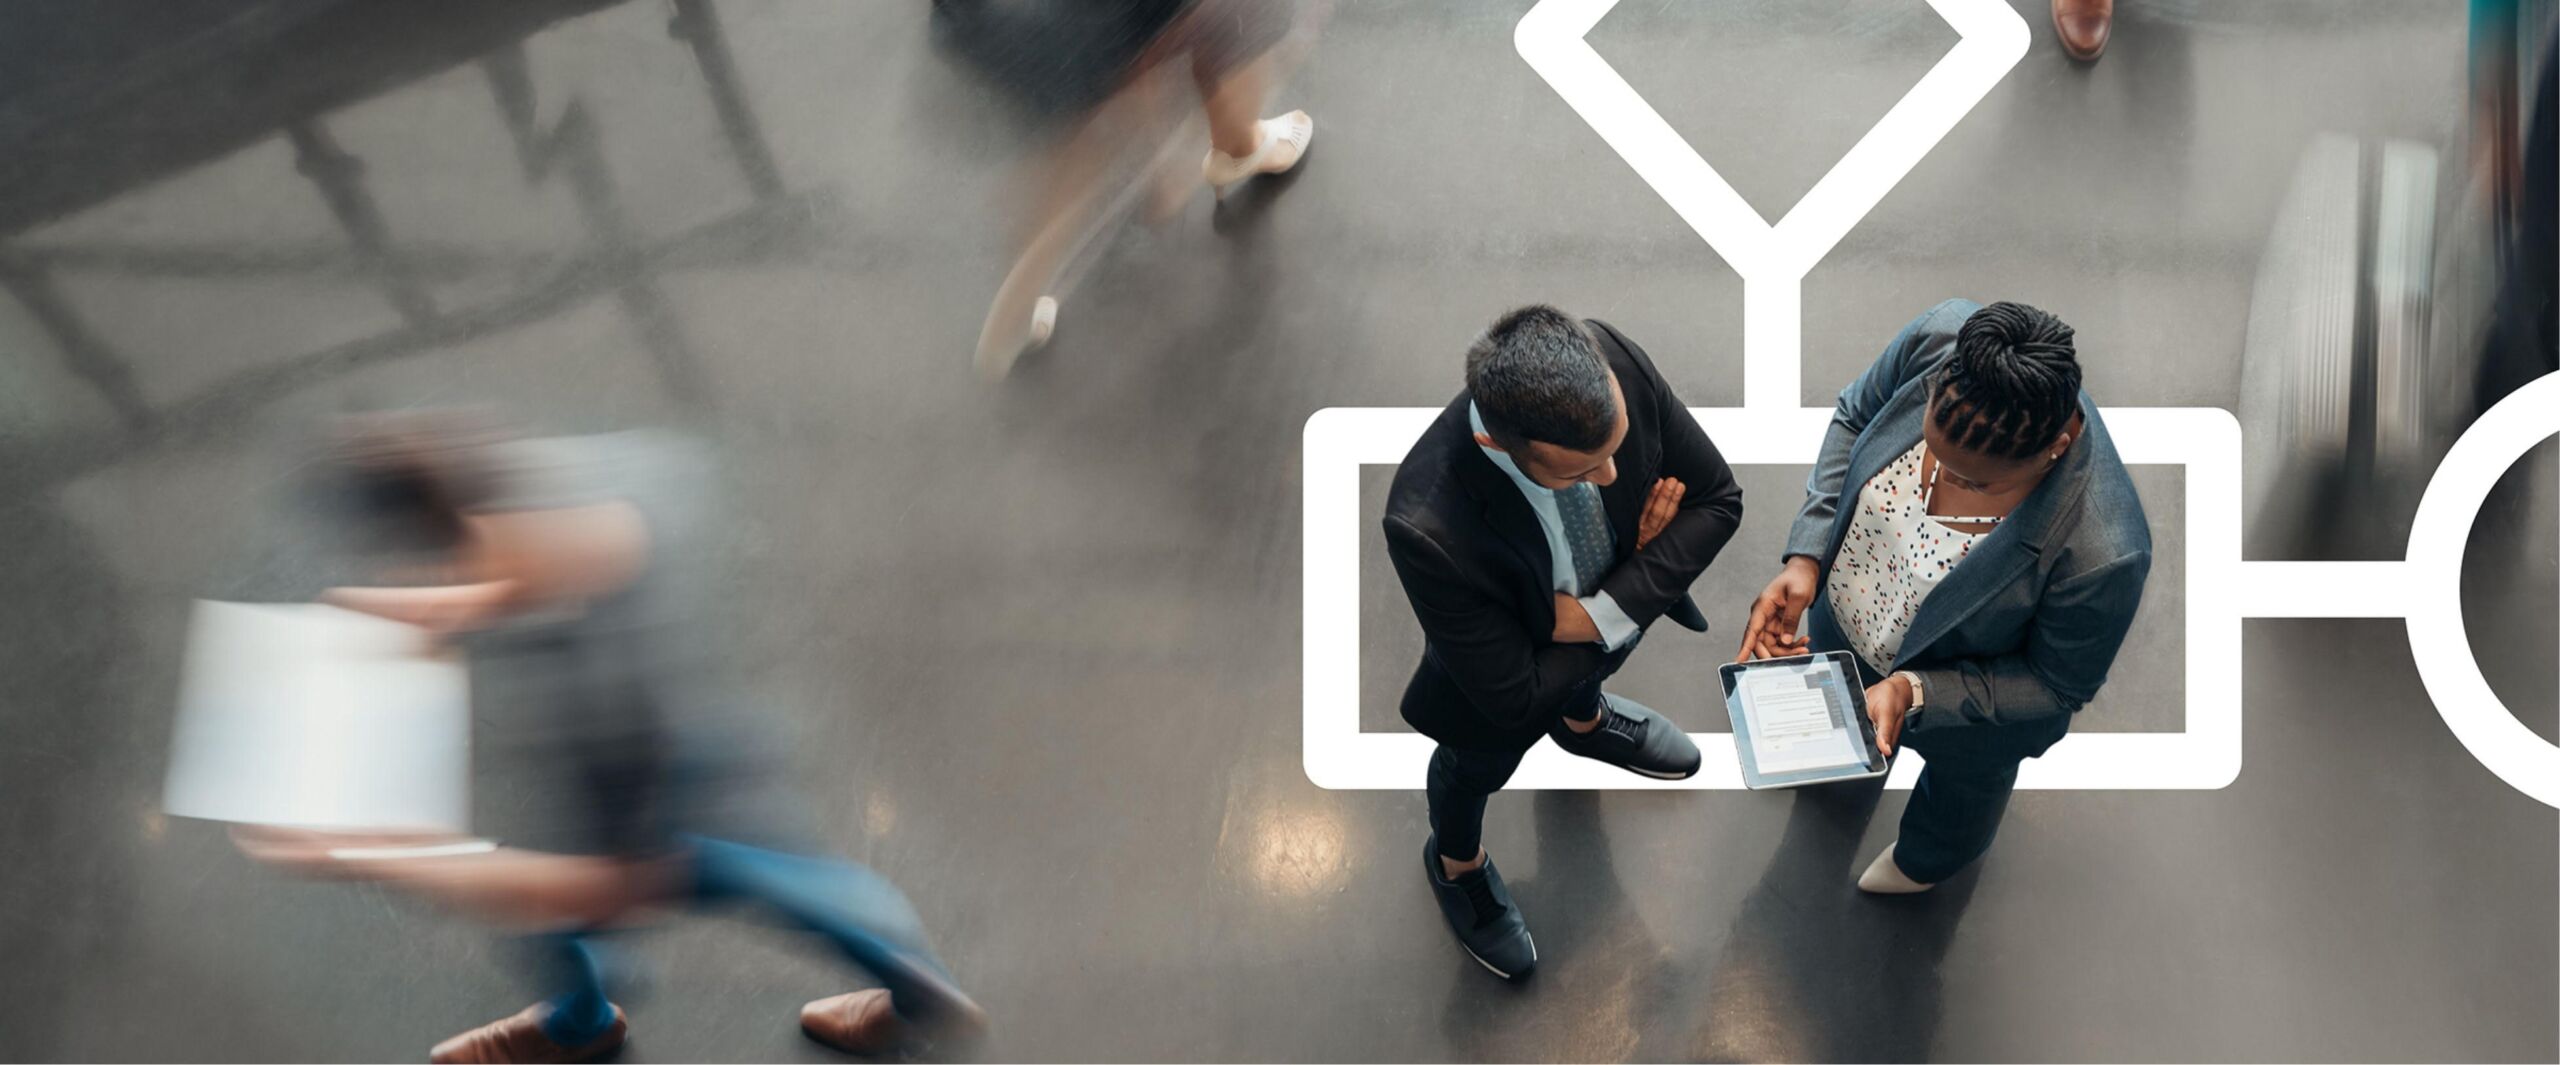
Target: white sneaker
x,y
1284,142
1007,337
1044,320
1885,878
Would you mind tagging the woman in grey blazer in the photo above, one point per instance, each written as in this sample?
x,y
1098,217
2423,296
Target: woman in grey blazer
x,y
1969,533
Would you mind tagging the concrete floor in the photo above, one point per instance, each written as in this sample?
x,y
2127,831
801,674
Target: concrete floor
x,y
1038,642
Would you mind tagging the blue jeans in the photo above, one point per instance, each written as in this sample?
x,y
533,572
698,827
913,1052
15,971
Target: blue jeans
x,y
852,907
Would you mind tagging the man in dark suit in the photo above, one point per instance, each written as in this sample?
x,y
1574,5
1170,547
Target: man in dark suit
x,y
1550,514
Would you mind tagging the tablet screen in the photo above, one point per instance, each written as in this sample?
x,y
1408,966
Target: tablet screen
x,y
1799,716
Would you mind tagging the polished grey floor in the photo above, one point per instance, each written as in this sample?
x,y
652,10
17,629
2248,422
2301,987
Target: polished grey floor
x,y
1039,641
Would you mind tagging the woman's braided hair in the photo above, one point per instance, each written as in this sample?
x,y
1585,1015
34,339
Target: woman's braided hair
x,y
2013,384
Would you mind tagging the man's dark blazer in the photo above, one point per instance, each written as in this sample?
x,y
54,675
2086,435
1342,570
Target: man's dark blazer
x,y
1477,569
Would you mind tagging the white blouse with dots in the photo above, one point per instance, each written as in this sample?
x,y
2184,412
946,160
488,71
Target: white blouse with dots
x,y
1894,555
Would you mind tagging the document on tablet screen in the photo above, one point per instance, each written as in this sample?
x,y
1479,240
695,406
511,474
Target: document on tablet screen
x,y
1799,720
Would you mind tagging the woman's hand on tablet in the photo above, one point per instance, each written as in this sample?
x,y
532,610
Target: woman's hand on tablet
x,y
1780,608
1887,704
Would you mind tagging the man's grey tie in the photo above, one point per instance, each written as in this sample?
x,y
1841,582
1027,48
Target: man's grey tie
x,y
1586,532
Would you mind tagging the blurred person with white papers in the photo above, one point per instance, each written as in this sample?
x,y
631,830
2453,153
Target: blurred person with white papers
x,y
555,563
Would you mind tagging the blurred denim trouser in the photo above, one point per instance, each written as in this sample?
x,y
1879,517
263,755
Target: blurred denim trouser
x,y
853,907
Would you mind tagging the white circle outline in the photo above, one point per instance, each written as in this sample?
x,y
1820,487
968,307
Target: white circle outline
x,y
2432,590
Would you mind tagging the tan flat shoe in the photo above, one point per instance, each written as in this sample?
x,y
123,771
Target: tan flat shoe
x,y
520,1039
862,1022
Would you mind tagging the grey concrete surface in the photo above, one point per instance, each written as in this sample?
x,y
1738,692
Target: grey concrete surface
x,y
1038,641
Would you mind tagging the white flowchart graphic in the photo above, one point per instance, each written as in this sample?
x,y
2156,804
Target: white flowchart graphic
x,y
1772,428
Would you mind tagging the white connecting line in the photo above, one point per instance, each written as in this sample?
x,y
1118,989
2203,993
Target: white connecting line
x,y
1773,428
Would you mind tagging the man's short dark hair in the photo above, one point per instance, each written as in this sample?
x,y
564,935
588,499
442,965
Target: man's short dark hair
x,y
1537,374
401,483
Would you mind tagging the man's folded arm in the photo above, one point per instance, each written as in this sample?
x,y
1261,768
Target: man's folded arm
x,y
1653,579
1513,677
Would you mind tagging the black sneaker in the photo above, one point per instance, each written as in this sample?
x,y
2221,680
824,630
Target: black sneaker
x,y
1479,910
1633,737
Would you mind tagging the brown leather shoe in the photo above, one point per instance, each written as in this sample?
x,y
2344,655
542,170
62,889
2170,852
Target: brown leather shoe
x,y
2083,26
520,1038
862,1022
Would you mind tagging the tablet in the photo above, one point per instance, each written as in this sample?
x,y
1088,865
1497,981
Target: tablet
x,y
1800,720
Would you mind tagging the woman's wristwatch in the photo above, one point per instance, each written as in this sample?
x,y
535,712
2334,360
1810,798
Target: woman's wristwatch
x,y
1919,696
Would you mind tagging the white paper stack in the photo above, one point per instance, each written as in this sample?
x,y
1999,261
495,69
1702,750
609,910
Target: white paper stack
x,y
315,717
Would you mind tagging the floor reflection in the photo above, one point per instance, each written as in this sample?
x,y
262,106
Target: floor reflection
x,y
66,695
1859,982
1607,986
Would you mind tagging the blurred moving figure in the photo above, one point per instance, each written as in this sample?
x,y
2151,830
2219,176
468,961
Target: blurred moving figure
x,y
1564,501
1234,53
2393,306
2083,26
1970,534
558,562
2403,291
2522,342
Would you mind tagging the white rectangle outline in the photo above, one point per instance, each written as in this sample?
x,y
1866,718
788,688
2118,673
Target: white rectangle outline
x,y
2205,755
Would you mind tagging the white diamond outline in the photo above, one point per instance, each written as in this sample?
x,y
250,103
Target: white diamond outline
x,y
1772,260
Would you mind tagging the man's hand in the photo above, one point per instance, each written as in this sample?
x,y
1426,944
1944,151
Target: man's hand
x,y
532,889
1781,606
1659,507
1574,624
441,609
305,851
1887,704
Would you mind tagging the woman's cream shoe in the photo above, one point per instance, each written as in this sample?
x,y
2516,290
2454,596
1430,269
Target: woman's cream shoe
x,y
1885,878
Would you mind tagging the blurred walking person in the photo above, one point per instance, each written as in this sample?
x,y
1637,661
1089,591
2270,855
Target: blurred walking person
x,y
1234,54
2515,141
556,564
